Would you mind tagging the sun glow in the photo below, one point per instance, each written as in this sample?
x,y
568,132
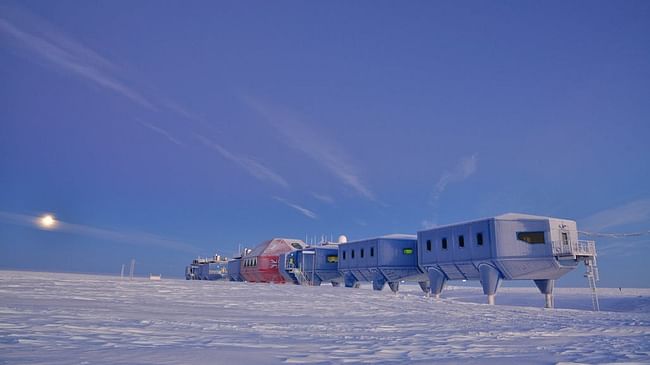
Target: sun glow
x,y
47,221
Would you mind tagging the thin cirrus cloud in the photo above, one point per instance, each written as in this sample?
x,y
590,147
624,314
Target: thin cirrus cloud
x,y
303,138
637,211
135,238
162,132
304,211
465,168
68,55
251,166
324,198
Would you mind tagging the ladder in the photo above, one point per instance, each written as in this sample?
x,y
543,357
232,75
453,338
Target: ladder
x,y
592,277
302,278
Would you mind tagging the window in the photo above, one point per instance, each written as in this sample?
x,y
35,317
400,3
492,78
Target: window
x,y
428,245
531,237
479,239
332,258
296,245
444,243
461,241
352,254
372,252
565,238
408,251
343,255
361,253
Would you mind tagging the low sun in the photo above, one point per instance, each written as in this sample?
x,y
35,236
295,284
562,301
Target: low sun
x,y
47,221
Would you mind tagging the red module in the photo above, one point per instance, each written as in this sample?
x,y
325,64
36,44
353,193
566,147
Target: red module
x,y
261,264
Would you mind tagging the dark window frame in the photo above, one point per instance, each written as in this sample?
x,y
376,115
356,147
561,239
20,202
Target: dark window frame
x,y
479,239
361,253
461,241
372,252
444,243
428,245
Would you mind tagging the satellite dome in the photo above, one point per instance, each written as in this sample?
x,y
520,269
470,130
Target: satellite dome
x,y
342,239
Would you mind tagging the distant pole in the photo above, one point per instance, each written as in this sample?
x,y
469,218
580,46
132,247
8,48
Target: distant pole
x,y
132,269
122,272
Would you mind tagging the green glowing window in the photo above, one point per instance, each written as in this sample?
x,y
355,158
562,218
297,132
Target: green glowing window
x,y
408,251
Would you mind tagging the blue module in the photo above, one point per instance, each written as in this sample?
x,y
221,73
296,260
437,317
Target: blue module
x,y
234,270
387,259
506,247
312,265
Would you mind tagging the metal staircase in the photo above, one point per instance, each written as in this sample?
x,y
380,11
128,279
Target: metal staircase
x,y
592,277
300,276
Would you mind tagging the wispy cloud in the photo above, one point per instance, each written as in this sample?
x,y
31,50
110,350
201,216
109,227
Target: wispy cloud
x,y
637,211
324,198
304,211
325,152
465,168
70,56
136,238
253,167
162,132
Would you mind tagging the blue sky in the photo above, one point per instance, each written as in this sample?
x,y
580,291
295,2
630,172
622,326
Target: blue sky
x,y
162,131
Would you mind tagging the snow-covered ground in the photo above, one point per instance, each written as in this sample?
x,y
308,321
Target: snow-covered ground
x,y
48,318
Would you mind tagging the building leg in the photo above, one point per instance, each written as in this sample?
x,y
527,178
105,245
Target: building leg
x,y
378,282
437,281
350,281
546,287
490,280
394,286
424,285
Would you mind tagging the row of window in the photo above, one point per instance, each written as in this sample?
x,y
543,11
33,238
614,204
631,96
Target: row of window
x,y
406,251
461,241
250,262
362,253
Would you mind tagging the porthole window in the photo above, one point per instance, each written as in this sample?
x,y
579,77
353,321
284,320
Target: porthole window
x,y
428,245
444,243
461,241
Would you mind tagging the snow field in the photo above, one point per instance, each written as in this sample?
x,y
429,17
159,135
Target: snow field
x,y
48,318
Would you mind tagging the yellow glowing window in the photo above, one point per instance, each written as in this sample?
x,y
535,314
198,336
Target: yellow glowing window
x,y
332,258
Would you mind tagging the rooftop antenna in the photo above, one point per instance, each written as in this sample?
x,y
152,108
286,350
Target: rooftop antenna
x,y
122,273
132,269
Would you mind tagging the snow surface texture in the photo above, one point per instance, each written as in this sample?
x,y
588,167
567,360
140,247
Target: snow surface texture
x,y
50,318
